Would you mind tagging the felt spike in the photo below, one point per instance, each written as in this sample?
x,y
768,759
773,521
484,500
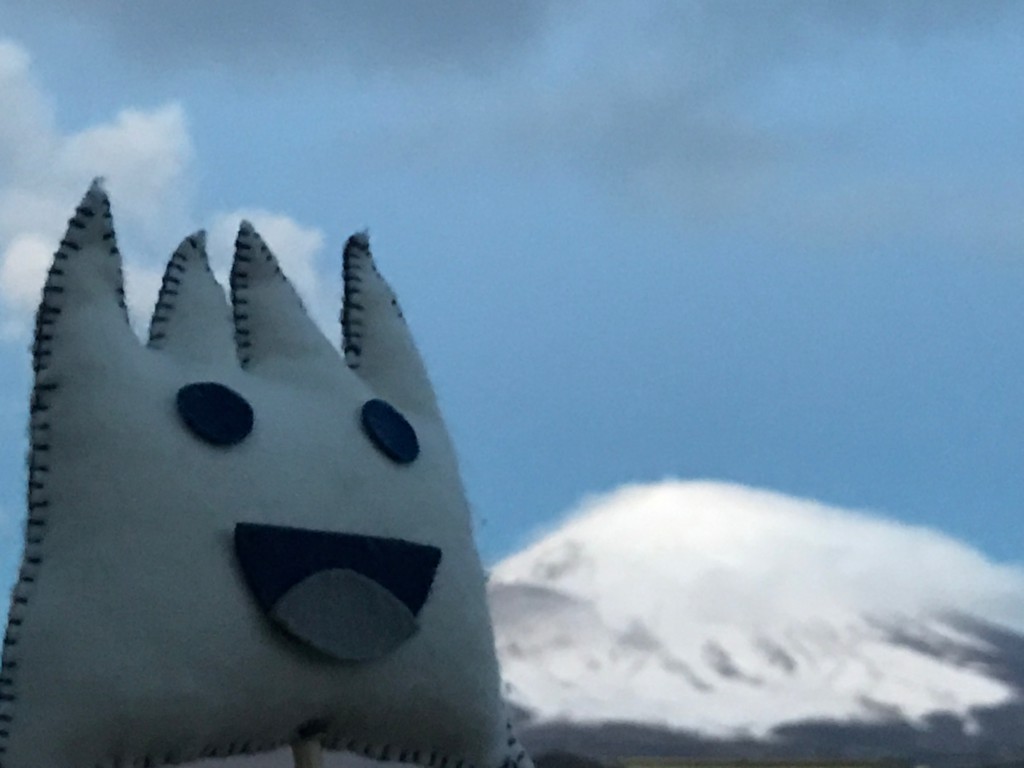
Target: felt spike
x,y
376,341
272,328
192,318
83,310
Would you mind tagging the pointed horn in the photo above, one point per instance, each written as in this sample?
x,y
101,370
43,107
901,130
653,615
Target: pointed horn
x,y
192,318
377,343
272,328
83,312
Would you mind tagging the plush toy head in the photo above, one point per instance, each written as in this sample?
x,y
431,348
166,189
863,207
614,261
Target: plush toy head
x,y
237,537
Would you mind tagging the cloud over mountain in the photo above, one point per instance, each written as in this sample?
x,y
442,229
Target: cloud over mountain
x,y
728,610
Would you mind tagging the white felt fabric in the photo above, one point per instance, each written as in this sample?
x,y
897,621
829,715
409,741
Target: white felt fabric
x,y
133,639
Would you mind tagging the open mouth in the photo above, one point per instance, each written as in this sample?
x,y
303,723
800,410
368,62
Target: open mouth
x,y
353,597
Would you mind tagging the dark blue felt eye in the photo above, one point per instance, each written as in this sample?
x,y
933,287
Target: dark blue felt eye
x,y
390,432
215,413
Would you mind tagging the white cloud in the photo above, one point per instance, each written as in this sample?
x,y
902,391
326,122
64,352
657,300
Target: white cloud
x,y
297,249
735,551
26,118
23,270
142,285
653,587
145,157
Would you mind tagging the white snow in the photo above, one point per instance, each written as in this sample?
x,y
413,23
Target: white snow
x,y
726,610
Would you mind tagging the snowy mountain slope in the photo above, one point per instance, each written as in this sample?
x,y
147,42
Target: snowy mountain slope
x,y
728,611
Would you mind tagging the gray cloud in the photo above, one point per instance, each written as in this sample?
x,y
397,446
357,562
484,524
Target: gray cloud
x,y
725,37
788,112
259,36
711,111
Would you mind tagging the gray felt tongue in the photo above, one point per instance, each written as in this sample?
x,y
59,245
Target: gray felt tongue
x,y
346,615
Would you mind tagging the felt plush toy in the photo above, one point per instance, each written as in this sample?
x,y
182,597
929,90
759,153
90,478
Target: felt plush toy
x,y
238,538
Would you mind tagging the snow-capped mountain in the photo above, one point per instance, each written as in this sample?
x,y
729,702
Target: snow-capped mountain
x,y
735,613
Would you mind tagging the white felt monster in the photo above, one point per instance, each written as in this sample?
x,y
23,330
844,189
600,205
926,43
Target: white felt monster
x,y
236,537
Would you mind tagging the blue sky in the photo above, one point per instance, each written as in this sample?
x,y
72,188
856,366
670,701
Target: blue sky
x,y
778,244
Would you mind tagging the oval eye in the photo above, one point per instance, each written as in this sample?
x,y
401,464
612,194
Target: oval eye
x,y
215,413
390,432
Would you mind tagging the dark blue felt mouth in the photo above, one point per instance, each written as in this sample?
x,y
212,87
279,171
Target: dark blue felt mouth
x,y
354,597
